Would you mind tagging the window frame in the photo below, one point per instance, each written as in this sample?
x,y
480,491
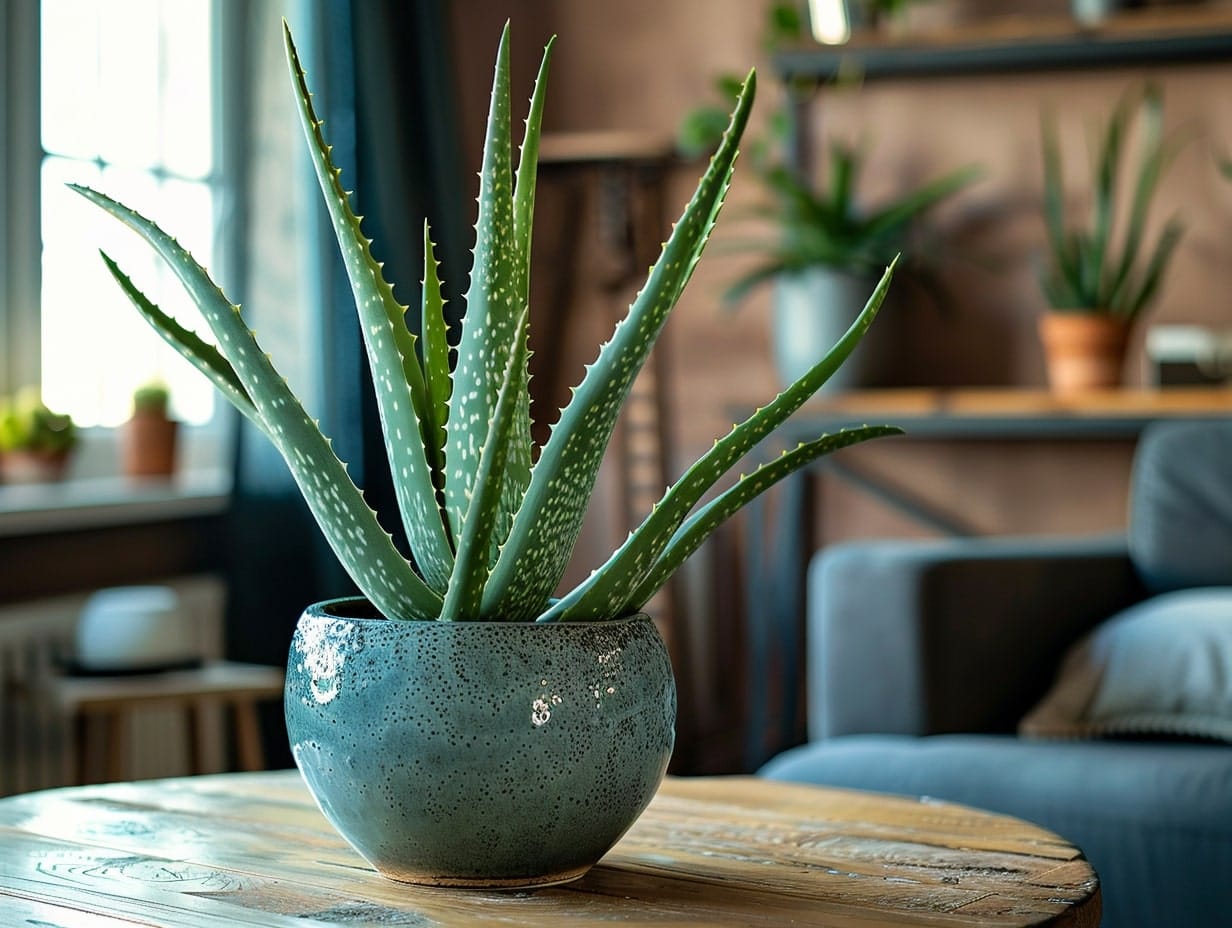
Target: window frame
x,y
21,165
21,158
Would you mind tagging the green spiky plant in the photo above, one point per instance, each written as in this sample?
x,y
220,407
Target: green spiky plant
x,y
490,524
1092,269
819,226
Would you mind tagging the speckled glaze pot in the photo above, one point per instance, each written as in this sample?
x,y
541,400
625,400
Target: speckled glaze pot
x,y
482,754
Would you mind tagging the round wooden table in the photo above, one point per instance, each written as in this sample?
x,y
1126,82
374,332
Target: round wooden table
x,y
252,850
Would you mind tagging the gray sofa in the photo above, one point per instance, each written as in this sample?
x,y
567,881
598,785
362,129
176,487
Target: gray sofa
x,y
924,658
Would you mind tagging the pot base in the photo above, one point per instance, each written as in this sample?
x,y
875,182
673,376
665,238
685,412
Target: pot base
x,y
454,882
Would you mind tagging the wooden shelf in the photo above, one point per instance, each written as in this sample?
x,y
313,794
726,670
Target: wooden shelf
x,y
1002,413
1019,44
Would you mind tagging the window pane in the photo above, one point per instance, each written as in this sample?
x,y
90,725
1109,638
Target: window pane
x,y
187,91
127,96
69,76
128,78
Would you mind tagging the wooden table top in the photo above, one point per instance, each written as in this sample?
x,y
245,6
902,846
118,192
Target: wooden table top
x,y
252,850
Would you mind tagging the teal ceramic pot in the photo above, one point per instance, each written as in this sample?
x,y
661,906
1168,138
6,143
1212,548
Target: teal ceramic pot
x,y
485,754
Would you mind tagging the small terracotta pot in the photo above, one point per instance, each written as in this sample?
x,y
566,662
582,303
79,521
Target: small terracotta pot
x,y
25,466
1083,351
148,445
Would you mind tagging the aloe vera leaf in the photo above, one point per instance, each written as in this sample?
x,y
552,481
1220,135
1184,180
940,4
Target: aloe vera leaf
x,y
604,591
528,167
436,364
397,379
1158,156
1152,275
470,571
523,221
547,525
491,327
365,549
700,526
198,352
1105,185
1054,197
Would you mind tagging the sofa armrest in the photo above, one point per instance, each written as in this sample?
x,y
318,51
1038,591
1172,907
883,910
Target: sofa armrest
x,y
909,637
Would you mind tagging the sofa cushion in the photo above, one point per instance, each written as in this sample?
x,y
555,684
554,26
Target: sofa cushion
x,y
1180,526
1154,819
1163,666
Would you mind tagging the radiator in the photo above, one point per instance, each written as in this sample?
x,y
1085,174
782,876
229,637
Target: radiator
x,y
37,750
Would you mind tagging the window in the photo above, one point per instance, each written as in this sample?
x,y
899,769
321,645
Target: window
x,y
129,102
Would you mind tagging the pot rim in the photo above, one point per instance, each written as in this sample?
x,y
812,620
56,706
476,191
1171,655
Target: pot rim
x,y
337,609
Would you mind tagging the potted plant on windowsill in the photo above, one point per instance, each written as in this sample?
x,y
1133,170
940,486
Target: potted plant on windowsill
x,y
35,443
1098,283
149,437
460,725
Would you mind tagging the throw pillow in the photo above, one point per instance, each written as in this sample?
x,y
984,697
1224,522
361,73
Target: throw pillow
x,y
1162,667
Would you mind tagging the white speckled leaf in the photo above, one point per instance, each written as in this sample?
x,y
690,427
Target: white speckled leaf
x,y
436,362
546,527
349,525
202,355
606,591
470,573
491,327
398,380
702,524
528,168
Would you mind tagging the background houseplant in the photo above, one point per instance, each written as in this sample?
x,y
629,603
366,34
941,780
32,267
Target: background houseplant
x,y
419,738
828,252
1100,278
149,436
829,246
35,443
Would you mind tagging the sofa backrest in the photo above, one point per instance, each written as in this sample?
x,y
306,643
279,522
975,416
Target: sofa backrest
x,y
1180,525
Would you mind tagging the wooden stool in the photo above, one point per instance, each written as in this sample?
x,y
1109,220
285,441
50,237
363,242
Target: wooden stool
x,y
110,700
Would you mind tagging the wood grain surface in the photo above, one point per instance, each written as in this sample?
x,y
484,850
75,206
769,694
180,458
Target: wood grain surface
x,y
252,849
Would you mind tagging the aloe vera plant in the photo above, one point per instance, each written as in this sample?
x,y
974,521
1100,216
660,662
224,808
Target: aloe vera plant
x,y
1092,269
490,520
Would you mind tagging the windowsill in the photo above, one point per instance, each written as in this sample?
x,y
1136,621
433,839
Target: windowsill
x,y
95,502
96,495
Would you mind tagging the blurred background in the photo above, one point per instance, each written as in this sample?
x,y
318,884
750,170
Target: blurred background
x,y
182,108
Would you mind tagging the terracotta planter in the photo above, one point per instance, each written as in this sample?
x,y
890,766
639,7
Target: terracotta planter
x,y
479,754
148,445
25,466
1083,351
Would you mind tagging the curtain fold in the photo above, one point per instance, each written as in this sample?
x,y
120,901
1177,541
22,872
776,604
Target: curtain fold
x,y
381,75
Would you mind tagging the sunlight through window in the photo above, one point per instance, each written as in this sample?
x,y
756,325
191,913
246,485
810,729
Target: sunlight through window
x,y
128,100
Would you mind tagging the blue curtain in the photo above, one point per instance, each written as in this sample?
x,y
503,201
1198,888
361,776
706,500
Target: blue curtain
x,y
382,81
